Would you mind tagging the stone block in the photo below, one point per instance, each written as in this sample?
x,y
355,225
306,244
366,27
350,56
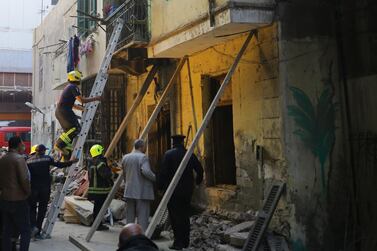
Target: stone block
x,y
238,239
82,208
244,226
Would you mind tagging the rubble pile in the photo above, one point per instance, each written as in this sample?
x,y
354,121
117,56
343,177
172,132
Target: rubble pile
x,y
209,229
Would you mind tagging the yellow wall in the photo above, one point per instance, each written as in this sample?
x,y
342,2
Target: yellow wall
x,y
256,106
167,16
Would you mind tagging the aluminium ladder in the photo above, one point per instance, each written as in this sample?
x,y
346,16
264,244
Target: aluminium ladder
x,y
87,118
256,234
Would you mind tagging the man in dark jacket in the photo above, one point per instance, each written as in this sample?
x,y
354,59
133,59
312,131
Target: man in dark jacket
x,y
132,239
39,167
100,181
179,204
15,190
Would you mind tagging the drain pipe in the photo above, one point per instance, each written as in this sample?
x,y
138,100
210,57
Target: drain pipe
x,y
346,117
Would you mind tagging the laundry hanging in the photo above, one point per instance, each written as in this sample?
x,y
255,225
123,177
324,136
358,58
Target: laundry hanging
x,y
73,57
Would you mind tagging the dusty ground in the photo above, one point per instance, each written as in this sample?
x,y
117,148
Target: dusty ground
x,y
101,241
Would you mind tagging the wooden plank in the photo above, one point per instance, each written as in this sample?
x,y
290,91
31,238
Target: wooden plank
x,y
79,243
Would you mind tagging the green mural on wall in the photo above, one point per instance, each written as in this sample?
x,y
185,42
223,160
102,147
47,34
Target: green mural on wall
x,y
315,123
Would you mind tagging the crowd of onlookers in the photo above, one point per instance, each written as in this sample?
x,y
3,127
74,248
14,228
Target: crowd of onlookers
x,y
25,187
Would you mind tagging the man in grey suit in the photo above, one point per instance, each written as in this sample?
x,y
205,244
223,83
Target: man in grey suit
x,y
139,179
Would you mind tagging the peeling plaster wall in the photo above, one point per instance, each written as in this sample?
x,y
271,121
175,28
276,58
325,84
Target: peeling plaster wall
x,y
317,189
256,112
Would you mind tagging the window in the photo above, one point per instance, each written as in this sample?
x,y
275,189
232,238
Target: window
x,y
9,135
85,24
25,136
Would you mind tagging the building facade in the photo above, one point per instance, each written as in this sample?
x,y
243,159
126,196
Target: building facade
x,y
298,109
15,88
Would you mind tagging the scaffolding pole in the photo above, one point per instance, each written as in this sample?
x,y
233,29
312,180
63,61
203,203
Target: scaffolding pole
x,y
161,208
151,120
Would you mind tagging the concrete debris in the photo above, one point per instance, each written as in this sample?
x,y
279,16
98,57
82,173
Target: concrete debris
x,y
118,209
71,217
238,217
242,227
238,239
80,207
208,230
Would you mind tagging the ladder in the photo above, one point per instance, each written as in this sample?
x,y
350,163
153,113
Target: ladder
x,y
86,121
256,234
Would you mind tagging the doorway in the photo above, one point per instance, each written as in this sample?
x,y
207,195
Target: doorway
x,y
219,138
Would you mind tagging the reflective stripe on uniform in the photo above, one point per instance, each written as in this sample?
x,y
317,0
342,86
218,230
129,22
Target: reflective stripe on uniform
x,y
97,190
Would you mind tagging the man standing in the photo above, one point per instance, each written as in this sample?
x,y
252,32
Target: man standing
x,y
15,190
39,167
65,115
100,181
179,204
139,179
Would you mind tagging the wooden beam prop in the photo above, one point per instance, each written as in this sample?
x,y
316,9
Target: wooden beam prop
x,y
161,208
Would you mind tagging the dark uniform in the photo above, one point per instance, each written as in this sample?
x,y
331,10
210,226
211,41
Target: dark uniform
x,y
39,167
66,117
179,204
100,182
138,243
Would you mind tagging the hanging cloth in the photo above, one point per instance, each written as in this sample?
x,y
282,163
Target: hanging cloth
x,y
70,64
76,54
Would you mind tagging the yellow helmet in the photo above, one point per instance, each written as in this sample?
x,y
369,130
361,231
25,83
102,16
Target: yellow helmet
x,y
74,76
96,150
33,149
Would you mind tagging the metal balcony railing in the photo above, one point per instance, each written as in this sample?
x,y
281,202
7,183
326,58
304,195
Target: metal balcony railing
x,y
135,32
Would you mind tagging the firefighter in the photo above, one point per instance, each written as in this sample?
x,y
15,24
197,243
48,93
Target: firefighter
x,y
65,115
39,167
33,150
100,181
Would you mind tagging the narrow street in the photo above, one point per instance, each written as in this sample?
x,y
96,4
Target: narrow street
x,y
220,125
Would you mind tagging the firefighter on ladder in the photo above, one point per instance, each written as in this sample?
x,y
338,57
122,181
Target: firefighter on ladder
x,y
65,115
100,181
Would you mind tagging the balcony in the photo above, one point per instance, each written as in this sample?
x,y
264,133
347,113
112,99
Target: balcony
x,y
135,32
183,27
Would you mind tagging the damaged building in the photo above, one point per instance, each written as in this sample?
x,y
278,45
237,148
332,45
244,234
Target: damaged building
x,y
298,109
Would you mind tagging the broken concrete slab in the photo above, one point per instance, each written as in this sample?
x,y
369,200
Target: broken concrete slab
x,y
238,239
82,207
244,226
71,218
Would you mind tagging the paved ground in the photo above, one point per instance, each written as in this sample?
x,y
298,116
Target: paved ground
x,y
101,241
